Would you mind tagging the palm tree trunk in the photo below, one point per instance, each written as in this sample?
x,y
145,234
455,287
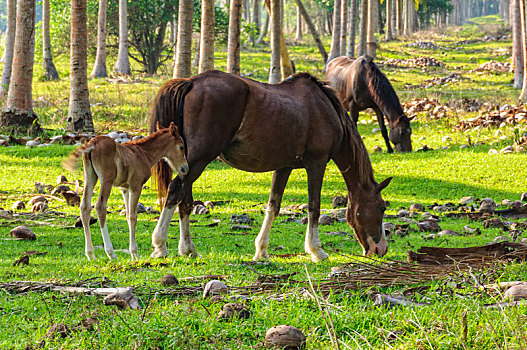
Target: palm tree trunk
x,y
122,66
206,57
233,45
312,29
49,67
298,35
523,95
183,65
335,37
18,112
517,52
9,46
99,68
389,14
343,26
79,113
274,71
352,26
263,29
371,44
361,47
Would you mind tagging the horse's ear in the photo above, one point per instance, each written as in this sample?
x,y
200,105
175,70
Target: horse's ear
x,y
158,126
384,184
173,129
411,118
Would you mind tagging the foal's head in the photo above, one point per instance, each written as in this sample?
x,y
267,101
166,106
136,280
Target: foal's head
x,y
175,150
400,134
365,213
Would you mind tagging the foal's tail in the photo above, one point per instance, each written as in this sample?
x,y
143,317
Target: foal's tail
x,y
72,161
168,107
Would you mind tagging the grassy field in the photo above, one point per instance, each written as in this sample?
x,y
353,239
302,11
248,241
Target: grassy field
x,y
171,321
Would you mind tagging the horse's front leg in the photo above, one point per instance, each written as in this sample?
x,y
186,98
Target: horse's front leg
x,y
279,182
384,132
312,244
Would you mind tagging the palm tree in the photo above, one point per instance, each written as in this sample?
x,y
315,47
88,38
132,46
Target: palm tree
x,y
99,69
371,43
206,57
79,113
183,64
343,26
312,29
298,34
517,52
523,95
274,71
335,37
18,112
51,71
233,44
352,25
389,22
361,47
9,46
122,66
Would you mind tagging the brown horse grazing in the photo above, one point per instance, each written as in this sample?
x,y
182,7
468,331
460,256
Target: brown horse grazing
x,y
259,127
359,85
127,166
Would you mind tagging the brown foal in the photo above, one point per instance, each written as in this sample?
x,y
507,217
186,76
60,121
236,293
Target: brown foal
x,y
127,166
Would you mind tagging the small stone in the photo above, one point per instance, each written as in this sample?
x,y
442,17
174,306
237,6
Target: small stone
x,y
506,202
18,205
506,150
114,135
36,199
375,130
285,337
516,292
516,204
169,280
402,213
448,233
39,207
78,223
215,287
499,239
59,189
414,207
241,227
428,225
122,300
303,207
204,211
241,219
197,209
337,233
493,223
447,139
209,204
388,228
58,330
325,219
467,200
89,322
377,149
440,208
137,137
61,179
426,215
463,147
493,151
524,197
23,232
233,310
304,220
32,143
141,208
72,198
339,201
487,205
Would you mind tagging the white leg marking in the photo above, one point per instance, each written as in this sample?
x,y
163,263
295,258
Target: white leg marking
x,y
312,244
262,240
108,247
160,234
186,246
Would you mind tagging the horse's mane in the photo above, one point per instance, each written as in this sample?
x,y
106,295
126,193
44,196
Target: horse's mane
x,y
380,88
338,77
359,158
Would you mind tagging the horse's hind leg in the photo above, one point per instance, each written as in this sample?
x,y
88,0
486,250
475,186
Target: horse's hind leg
x,y
101,206
261,242
132,198
312,244
90,179
384,132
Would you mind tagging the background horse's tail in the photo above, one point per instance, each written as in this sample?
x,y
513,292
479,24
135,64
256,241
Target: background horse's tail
x,y
168,107
380,88
72,161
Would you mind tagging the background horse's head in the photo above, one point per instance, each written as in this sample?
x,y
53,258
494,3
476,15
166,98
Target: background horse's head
x,y
365,213
400,134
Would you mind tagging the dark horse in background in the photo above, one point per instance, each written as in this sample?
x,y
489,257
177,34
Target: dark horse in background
x,y
259,127
359,85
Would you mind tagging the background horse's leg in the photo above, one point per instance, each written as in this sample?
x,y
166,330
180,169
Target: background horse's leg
x,y
131,216
90,179
160,234
261,242
312,244
101,206
384,132
186,246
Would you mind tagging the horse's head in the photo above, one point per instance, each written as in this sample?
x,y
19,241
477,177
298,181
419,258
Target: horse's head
x,y
175,151
365,213
401,133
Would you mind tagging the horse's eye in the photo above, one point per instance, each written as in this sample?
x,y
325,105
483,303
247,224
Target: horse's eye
x,y
181,148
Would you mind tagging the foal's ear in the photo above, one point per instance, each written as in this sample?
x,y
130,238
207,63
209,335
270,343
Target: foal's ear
x,y
384,184
158,126
173,129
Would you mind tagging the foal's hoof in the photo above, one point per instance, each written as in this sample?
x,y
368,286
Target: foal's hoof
x,y
159,254
190,254
261,256
91,256
319,255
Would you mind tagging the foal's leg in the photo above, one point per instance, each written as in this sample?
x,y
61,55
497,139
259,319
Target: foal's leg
x,y
261,243
131,215
312,244
101,206
384,132
90,179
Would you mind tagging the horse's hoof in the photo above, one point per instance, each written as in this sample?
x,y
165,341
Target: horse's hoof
x,y
260,256
111,255
159,254
190,254
319,255
91,256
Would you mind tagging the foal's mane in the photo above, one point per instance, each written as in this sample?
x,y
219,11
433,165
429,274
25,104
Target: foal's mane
x,y
148,138
380,88
359,158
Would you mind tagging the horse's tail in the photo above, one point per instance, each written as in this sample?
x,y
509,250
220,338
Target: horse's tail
x,y
168,107
380,87
71,163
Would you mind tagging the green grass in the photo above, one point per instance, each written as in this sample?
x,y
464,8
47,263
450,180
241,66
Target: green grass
x,y
171,322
